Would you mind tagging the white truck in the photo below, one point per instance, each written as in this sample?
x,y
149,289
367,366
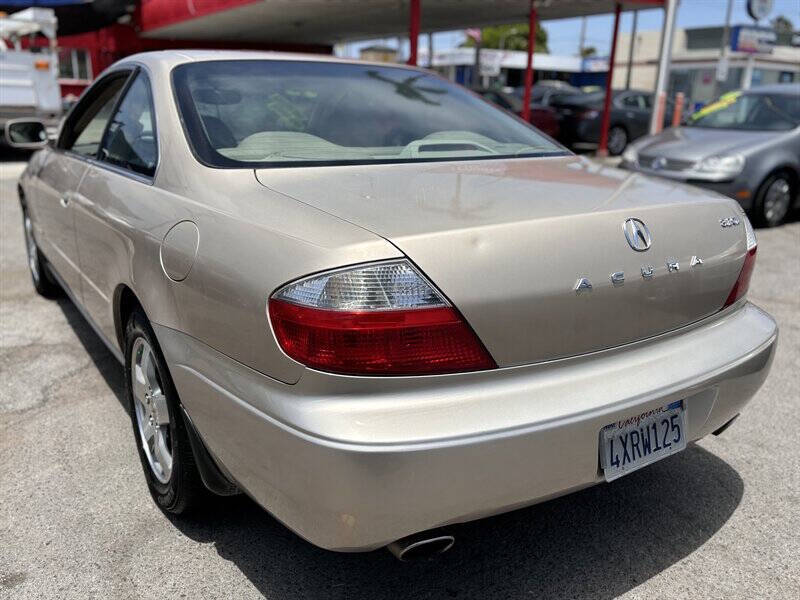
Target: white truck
x,y
29,77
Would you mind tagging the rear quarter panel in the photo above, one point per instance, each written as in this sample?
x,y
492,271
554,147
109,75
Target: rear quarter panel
x,y
251,241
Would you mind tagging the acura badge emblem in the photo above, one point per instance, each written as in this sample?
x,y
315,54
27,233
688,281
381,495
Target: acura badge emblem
x,y
637,234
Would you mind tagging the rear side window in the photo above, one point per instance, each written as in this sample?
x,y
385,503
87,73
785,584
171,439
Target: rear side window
x,y
130,142
633,101
84,128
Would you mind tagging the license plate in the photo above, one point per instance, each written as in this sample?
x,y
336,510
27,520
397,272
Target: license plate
x,y
638,441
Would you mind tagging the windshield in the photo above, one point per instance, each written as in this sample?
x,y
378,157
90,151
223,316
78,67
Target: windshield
x,y
752,112
246,113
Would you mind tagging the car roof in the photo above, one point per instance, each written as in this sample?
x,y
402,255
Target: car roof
x,y
172,58
792,89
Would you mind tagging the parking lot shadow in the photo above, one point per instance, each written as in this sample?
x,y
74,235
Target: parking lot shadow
x,y
106,364
597,543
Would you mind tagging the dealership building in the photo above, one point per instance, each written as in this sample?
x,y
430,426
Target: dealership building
x,y
755,56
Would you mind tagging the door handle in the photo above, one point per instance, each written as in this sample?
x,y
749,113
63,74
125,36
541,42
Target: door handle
x,y
64,200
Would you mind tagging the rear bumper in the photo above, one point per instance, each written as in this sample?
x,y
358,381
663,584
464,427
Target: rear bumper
x,y
355,463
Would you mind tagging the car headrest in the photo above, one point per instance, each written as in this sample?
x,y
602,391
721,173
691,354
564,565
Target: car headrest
x,y
216,96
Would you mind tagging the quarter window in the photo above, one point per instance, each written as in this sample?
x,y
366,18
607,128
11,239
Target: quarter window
x,y
84,128
130,141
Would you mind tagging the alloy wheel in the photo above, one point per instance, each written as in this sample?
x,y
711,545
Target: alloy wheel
x,y
617,140
777,200
152,412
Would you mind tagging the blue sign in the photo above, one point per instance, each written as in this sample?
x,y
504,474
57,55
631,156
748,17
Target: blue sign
x,y
753,39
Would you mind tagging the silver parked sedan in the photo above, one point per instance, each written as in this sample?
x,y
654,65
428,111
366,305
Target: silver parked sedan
x,y
746,146
375,303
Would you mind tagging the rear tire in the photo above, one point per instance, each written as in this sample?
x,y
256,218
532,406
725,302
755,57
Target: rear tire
x,y
157,419
617,140
774,199
43,281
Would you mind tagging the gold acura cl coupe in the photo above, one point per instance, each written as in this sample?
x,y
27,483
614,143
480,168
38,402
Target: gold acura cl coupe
x,y
375,303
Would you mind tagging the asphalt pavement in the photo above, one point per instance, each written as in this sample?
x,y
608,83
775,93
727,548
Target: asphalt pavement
x,y
719,520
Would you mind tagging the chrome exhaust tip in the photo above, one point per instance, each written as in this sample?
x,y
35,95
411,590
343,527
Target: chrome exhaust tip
x,y
421,546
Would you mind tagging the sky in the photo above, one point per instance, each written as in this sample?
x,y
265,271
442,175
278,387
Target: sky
x,y
563,34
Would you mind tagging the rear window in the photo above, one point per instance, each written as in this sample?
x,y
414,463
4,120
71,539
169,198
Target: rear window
x,y
256,113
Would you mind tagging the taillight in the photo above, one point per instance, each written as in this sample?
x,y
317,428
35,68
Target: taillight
x,y
743,281
376,319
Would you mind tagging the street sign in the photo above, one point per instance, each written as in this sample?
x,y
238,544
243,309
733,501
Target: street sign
x,y
760,40
722,68
759,9
491,60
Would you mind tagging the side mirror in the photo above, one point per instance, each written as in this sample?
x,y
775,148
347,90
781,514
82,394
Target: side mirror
x,y
22,133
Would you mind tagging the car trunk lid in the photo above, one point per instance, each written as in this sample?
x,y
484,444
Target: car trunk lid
x,y
508,240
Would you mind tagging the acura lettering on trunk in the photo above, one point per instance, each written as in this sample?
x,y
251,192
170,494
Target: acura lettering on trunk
x,y
376,304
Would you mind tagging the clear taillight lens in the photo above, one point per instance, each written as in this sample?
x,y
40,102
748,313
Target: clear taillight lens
x,y
743,281
378,319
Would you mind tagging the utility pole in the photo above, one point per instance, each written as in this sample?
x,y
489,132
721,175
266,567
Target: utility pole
x,y
476,70
630,50
722,66
670,12
582,42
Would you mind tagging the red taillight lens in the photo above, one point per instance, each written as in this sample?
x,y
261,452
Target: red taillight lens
x,y
382,318
422,341
743,281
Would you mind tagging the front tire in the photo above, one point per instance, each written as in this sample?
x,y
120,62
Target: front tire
x,y
617,140
774,200
43,282
158,426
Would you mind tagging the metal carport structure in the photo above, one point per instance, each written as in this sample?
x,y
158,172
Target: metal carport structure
x,y
326,21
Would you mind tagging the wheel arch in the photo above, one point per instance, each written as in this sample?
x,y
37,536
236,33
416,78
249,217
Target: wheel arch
x,y
125,302
213,477
791,170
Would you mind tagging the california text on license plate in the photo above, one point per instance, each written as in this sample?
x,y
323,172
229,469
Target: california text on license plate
x,y
638,441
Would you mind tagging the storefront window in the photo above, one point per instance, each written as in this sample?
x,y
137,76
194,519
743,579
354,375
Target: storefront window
x,y
765,77
74,63
700,85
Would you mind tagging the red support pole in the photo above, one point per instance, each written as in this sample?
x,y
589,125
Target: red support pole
x,y
602,148
413,31
526,98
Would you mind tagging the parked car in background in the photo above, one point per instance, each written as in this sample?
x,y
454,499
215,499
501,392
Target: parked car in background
x,y
581,115
377,304
546,92
542,117
746,146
